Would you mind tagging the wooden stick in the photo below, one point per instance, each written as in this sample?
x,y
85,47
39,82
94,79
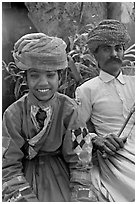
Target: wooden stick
x,y
123,127
127,119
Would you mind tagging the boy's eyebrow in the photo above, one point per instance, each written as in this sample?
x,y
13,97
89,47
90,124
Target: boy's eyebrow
x,y
38,71
33,70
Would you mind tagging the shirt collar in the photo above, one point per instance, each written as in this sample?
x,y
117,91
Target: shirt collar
x,y
108,77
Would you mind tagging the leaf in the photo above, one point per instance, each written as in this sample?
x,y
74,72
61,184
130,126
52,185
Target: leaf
x,y
17,88
74,70
129,57
90,58
132,47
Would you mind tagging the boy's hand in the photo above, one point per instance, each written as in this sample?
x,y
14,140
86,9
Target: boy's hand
x,y
108,145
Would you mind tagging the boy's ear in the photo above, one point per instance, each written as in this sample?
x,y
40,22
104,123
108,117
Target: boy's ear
x,y
60,73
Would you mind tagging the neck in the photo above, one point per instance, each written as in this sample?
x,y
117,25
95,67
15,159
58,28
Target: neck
x,y
115,74
35,101
114,71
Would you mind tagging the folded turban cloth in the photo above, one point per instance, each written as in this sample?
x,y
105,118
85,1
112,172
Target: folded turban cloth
x,y
110,32
40,51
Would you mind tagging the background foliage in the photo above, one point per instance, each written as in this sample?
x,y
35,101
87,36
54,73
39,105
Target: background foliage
x,y
82,67
68,20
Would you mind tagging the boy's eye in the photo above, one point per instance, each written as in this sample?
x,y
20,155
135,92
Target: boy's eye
x,y
34,75
50,75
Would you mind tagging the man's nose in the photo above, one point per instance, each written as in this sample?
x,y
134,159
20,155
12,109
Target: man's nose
x,y
113,52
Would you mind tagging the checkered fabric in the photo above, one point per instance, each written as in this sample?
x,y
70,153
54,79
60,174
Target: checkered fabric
x,y
82,145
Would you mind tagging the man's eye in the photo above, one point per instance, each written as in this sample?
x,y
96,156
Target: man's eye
x,y
106,49
50,75
118,48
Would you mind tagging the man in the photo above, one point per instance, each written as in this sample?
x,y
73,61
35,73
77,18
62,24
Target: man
x,y
106,101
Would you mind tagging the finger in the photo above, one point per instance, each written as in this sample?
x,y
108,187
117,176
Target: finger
x,y
120,141
108,151
110,145
115,141
124,139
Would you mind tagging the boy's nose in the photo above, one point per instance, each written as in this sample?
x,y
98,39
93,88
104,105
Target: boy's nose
x,y
43,80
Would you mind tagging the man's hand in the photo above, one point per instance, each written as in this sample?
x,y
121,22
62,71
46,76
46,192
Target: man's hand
x,y
108,145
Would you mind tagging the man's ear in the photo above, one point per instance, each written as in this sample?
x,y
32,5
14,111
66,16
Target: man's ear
x,y
95,56
59,82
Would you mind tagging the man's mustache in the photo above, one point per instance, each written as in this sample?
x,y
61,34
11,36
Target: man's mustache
x,y
115,59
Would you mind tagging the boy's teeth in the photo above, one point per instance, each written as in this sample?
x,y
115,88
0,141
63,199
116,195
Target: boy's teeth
x,y
43,90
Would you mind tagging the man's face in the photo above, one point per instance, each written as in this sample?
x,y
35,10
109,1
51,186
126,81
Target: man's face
x,y
109,58
42,84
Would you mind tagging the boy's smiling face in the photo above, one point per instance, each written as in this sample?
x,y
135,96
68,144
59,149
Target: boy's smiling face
x,y
42,84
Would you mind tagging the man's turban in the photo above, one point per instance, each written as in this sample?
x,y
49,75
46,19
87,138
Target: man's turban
x,y
110,32
40,51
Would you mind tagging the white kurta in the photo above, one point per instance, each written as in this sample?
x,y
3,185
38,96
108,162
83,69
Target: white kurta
x,y
107,101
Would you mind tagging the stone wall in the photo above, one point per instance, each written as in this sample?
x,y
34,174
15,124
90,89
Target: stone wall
x,y
65,19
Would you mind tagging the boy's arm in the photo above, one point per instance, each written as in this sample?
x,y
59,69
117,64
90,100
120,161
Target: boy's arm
x,y
84,105
15,187
77,151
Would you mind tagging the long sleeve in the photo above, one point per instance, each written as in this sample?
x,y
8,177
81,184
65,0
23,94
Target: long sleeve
x,y
84,102
15,186
77,151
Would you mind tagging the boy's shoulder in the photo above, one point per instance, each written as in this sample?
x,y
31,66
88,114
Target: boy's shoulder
x,y
68,100
17,105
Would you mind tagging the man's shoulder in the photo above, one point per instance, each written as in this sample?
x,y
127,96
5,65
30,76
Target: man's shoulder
x,y
91,83
129,78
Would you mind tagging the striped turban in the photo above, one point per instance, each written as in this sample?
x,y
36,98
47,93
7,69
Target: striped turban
x,y
110,32
40,51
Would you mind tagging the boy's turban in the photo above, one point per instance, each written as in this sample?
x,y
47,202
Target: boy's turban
x,y
110,32
40,51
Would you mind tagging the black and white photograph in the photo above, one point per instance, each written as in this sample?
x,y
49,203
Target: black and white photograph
x,y
68,101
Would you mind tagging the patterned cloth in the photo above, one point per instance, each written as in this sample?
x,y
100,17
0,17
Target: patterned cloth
x,y
82,144
40,51
110,32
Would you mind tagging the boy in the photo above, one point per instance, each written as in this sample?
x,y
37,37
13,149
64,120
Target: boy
x,y
46,149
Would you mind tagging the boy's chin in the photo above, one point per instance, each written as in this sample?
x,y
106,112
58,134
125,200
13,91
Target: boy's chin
x,y
44,98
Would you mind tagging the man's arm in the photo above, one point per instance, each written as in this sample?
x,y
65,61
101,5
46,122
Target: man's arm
x,y
107,145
